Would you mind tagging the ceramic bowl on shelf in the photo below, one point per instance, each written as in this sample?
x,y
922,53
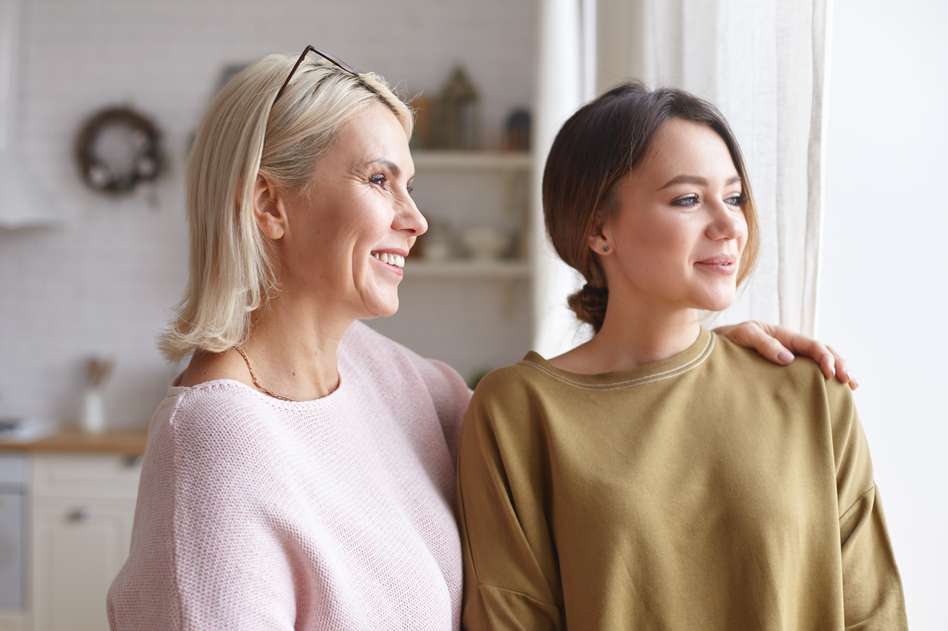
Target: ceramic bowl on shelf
x,y
437,250
485,242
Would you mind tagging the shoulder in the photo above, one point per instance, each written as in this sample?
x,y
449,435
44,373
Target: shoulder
x,y
218,404
205,367
216,427
510,381
396,372
799,385
510,392
801,375
361,339
364,349
507,415
530,378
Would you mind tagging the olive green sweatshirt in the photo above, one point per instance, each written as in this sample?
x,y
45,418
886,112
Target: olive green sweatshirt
x,y
712,490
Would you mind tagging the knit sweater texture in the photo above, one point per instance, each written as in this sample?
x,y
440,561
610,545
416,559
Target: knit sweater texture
x,y
337,513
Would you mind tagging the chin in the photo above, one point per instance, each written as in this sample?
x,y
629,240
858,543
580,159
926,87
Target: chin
x,y
718,302
383,308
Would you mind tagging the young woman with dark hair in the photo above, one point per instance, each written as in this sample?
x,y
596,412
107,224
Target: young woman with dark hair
x,y
659,476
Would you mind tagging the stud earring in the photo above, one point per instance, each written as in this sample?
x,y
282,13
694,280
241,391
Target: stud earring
x,y
605,248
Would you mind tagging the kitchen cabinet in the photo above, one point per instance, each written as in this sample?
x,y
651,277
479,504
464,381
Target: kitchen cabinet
x,y
80,499
82,513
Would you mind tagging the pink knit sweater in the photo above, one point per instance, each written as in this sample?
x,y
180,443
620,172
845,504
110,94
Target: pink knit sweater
x,y
257,514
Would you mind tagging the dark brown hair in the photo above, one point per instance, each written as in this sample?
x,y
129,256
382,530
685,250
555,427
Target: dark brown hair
x,y
595,148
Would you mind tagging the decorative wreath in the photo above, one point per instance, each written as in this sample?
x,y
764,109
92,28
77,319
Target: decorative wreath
x,y
117,149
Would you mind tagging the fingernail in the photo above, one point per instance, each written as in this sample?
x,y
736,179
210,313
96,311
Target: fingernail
x,y
785,357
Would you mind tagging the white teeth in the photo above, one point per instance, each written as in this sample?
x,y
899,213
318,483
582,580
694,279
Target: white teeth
x,y
391,259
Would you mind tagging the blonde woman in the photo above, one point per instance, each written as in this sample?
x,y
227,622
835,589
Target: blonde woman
x,y
659,476
300,473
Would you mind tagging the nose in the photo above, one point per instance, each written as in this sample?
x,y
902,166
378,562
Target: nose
x,y
409,218
727,222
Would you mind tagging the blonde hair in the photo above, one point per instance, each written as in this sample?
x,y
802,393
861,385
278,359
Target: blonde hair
x,y
243,134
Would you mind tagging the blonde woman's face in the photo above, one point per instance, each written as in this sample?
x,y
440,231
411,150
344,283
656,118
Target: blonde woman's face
x,y
348,236
679,228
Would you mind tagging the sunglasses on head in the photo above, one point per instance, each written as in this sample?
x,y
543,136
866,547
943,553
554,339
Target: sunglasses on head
x,y
311,49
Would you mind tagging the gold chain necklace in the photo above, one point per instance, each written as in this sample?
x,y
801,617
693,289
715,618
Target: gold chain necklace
x,y
253,377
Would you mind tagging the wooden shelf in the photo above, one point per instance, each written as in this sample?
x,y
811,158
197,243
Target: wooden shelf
x,y
129,442
467,268
482,160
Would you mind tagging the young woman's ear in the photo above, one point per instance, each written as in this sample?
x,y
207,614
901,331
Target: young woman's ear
x,y
599,241
268,209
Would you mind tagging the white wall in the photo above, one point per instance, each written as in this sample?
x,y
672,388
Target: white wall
x,y
106,281
884,293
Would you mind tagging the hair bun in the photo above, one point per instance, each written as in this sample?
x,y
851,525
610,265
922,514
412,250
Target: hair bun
x,y
589,304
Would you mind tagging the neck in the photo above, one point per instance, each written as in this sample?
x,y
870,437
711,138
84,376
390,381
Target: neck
x,y
293,349
635,333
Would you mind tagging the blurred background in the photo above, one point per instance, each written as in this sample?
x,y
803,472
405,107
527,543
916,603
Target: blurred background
x,y
840,107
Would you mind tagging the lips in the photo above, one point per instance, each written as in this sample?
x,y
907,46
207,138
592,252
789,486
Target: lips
x,y
392,258
722,264
718,260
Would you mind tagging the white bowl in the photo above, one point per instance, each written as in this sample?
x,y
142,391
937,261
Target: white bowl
x,y
485,242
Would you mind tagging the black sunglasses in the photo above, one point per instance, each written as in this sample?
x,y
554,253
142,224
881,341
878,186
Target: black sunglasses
x,y
339,64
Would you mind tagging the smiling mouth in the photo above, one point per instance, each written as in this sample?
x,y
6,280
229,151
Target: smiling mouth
x,y
718,265
393,260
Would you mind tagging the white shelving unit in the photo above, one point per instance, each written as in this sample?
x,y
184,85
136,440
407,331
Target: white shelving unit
x,y
505,171
473,313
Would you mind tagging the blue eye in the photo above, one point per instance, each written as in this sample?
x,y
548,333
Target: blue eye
x,y
736,200
686,201
379,179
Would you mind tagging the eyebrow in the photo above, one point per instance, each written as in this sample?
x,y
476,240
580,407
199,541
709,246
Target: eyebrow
x,y
694,179
388,164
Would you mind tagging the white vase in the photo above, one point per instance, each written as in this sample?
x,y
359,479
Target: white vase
x,y
92,419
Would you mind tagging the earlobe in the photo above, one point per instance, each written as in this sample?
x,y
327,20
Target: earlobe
x,y
599,244
599,240
271,229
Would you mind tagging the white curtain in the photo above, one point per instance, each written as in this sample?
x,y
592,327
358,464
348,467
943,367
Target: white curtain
x,y
560,92
763,63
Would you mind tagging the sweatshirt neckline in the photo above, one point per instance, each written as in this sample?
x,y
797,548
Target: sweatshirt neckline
x,y
679,363
233,384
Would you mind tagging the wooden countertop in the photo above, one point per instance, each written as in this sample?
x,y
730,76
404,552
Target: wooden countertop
x,y
123,442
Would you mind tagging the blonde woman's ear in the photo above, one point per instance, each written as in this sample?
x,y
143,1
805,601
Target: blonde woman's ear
x,y
268,209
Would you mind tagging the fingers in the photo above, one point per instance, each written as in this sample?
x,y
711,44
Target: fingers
x,y
842,373
831,363
753,334
779,344
802,345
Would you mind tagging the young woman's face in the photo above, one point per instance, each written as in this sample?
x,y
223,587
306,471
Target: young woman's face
x,y
349,233
678,229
